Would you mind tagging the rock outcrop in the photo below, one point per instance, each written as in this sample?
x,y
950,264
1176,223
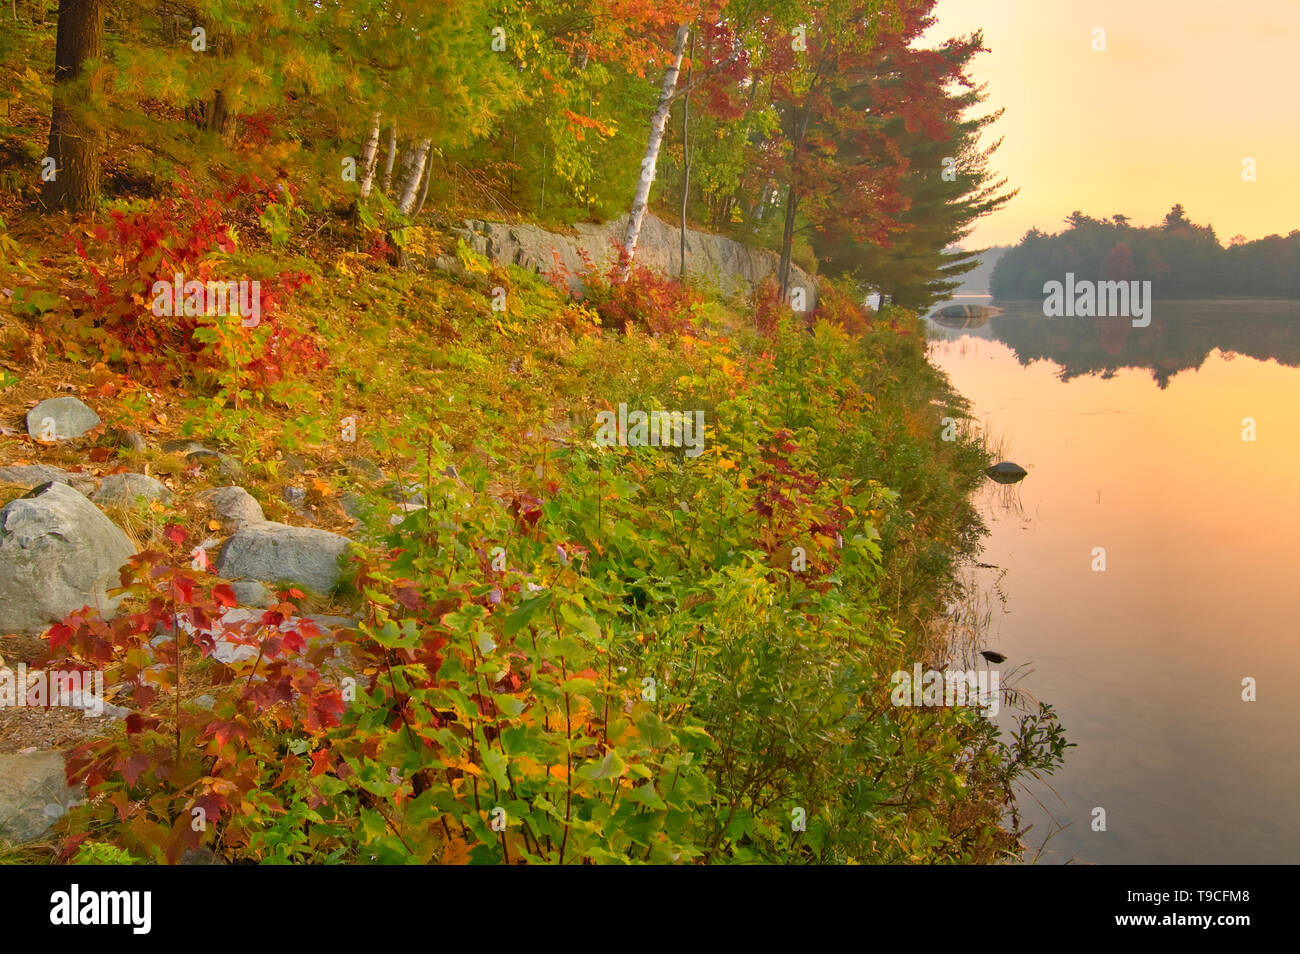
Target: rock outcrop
x,y
731,266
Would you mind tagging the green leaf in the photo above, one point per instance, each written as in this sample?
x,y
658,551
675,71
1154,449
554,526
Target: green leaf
x,y
611,766
510,706
526,611
495,763
582,622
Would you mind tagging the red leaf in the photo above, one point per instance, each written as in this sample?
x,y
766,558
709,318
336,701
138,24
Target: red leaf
x,y
58,634
320,762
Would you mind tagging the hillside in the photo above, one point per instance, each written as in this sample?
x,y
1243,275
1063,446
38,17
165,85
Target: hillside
x,y
426,559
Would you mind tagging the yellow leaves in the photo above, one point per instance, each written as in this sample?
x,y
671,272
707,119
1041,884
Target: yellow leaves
x,y
466,766
455,852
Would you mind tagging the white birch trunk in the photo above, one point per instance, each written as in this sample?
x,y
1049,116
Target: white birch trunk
x,y
392,154
657,125
424,189
369,155
413,171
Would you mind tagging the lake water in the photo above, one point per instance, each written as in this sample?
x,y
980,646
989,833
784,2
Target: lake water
x,y
1133,439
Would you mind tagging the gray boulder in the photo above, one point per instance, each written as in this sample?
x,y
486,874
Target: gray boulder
x,y
124,490
251,593
33,794
33,475
58,553
234,507
275,552
60,419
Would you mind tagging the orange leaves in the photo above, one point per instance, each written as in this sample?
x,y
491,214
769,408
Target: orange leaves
x,y
579,122
455,852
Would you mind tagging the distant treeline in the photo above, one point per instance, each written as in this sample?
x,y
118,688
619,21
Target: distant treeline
x,y
1179,258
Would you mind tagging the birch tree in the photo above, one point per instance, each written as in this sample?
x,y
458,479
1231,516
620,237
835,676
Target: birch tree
x,y
412,173
657,125
370,157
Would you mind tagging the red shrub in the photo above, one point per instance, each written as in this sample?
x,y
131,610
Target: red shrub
x,y
640,297
180,235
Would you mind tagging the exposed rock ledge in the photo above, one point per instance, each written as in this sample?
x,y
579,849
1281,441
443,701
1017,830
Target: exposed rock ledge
x,y
733,267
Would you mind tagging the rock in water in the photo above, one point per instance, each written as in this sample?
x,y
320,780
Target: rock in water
x,y
1007,472
275,552
59,419
965,316
58,553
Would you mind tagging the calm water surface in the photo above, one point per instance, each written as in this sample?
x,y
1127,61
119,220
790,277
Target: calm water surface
x,y
1133,442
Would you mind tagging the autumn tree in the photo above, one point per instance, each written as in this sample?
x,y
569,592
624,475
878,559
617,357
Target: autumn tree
x,y
908,123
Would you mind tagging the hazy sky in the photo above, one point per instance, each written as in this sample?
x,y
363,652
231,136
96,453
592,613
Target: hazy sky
x,y
1183,92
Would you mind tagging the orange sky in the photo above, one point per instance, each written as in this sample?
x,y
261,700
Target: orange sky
x,y
1184,91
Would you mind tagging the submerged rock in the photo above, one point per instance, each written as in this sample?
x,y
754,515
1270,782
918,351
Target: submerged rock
x,y
965,316
1007,472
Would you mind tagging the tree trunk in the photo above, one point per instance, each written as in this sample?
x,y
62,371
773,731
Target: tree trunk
x,y
412,170
388,162
424,190
657,125
686,153
216,116
792,198
369,157
787,237
74,145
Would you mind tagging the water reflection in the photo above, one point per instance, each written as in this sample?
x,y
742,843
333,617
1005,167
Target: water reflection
x,y
1133,439
1182,334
